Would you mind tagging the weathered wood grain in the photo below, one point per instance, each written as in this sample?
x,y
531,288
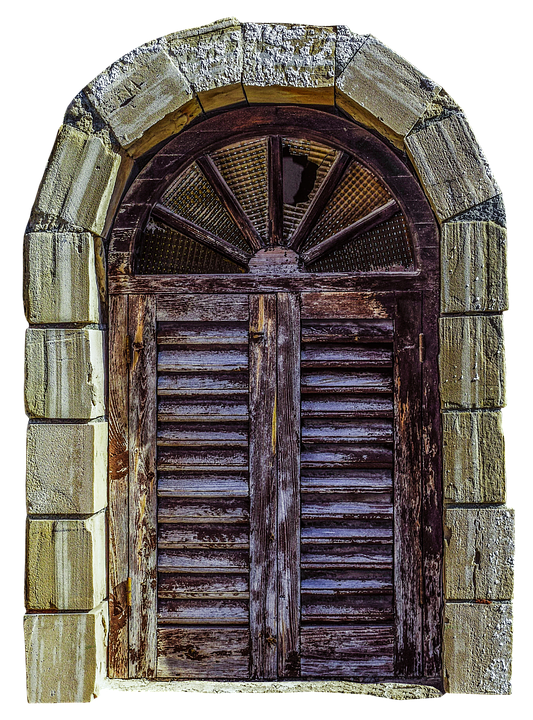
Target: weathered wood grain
x,y
324,305
203,509
203,612
357,331
201,308
195,585
275,191
204,484
350,608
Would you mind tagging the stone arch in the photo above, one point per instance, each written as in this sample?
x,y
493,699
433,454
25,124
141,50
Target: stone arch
x,y
110,129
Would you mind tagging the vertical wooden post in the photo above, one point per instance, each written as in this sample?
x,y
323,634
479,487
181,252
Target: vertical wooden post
x,y
263,487
142,486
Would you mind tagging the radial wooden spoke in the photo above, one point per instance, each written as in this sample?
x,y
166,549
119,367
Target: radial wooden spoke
x,y
195,232
321,199
230,202
275,191
376,217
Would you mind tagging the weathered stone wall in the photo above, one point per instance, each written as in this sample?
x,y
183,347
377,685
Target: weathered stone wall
x,y
143,98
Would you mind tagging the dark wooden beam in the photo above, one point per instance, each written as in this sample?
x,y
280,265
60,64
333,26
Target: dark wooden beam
x,y
191,230
275,191
376,217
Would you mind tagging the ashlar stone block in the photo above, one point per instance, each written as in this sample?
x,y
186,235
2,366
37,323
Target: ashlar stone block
x,y
65,655
60,281
451,166
78,182
473,457
478,553
210,57
347,44
138,91
471,362
381,89
473,270
477,648
66,563
289,63
64,373
66,468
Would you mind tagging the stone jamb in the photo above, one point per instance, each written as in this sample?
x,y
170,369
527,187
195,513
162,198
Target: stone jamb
x,y
153,93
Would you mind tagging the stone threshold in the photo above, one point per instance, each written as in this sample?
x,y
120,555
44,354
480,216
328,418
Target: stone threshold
x,y
393,691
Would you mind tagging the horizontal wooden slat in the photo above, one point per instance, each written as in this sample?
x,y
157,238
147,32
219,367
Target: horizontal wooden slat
x,y
203,561
316,455
348,556
203,510
185,585
324,305
339,431
202,535
204,434
322,507
207,409
202,308
220,333
209,457
346,380
360,651
346,405
347,356
348,608
203,612
202,485
192,653
202,360
346,480
194,384
339,582
357,331
346,535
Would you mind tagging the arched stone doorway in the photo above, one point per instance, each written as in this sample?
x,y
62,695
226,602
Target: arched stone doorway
x,y
111,131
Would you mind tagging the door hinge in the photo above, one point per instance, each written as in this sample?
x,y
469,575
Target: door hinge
x,y
128,592
421,347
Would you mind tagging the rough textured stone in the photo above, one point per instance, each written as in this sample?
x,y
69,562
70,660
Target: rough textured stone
x,y
473,457
478,553
210,57
66,468
66,563
393,691
473,267
491,210
79,179
137,91
477,648
381,89
451,166
471,362
347,44
60,283
289,63
81,115
65,655
64,373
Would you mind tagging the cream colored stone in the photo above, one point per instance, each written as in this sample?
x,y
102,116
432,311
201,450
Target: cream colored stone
x,y
66,468
60,284
138,91
346,45
471,362
289,63
78,181
210,57
473,267
384,87
477,648
478,553
66,563
451,166
66,655
473,457
64,373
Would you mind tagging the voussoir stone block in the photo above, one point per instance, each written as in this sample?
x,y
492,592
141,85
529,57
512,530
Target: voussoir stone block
x,y
137,91
64,373
473,267
451,166
66,468
478,553
347,44
60,281
289,63
473,457
66,563
380,88
471,362
477,648
78,182
210,57
65,655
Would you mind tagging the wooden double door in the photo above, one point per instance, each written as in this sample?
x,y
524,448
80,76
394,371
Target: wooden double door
x,y
274,484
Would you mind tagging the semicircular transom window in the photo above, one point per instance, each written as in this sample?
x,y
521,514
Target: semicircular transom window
x,y
285,203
